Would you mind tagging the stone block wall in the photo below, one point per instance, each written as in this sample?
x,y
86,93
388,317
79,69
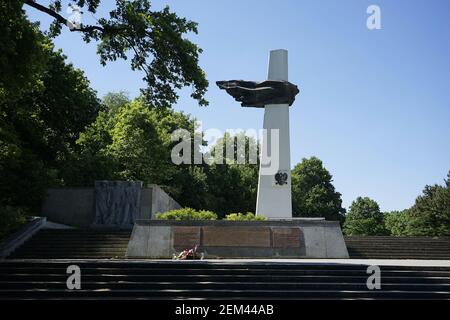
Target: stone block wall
x,y
76,206
249,239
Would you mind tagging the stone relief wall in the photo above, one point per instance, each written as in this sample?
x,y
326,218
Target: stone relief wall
x,y
117,203
111,204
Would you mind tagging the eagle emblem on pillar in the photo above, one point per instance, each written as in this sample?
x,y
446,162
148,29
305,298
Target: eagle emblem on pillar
x,y
281,178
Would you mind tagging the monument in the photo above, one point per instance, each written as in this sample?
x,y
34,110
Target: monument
x,y
280,236
276,95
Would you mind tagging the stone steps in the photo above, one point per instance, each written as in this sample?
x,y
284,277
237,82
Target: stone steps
x,y
188,286
75,244
123,279
305,279
382,247
107,244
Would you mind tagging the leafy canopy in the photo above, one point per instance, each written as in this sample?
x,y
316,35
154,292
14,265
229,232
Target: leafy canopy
x,y
44,105
232,187
364,218
430,215
396,222
153,41
313,194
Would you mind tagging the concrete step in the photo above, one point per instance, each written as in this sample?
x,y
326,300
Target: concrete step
x,y
91,244
184,294
137,279
383,247
199,280
217,285
149,273
75,244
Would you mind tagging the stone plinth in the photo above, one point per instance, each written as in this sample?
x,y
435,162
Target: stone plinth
x,y
159,239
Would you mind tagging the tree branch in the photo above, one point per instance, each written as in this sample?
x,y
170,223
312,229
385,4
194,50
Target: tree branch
x,y
61,19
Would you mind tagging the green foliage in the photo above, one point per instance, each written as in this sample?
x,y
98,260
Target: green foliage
x,y
21,52
55,131
114,101
364,218
43,108
11,219
313,194
231,187
249,216
430,215
131,141
237,148
23,175
19,42
153,41
187,214
396,222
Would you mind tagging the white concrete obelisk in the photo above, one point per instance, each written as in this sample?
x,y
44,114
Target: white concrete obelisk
x,y
274,185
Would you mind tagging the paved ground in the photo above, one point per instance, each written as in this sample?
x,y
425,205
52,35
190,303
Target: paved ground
x,y
416,263
224,279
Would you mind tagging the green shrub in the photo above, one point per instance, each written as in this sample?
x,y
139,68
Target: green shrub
x,y
187,214
249,216
397,222
364,219
11,219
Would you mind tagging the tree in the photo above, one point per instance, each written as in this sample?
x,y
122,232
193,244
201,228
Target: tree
x,y
43,109
430,215
364,218
154,40
232,186
21,52
113,101
131,141
396,222
313,194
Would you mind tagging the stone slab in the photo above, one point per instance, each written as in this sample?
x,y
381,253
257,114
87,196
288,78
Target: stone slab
x,y
186,237
334,243
138,244
161,201
315,241
286,237
239,239
159,244
236,237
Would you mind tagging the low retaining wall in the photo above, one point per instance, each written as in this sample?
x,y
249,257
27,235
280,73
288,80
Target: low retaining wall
x,y
76,206
19,237
158,239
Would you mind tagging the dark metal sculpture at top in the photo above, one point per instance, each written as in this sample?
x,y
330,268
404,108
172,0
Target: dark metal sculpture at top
x,y
259,94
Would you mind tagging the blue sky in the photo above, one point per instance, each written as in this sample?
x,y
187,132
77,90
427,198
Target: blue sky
x,y
374,105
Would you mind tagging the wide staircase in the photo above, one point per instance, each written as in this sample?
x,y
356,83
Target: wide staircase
x,y
376,247
112,244
111,276
74,244
215,280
